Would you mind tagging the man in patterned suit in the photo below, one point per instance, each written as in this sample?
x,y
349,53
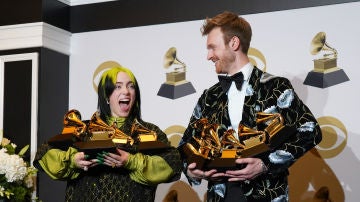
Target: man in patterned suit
x,y
264,176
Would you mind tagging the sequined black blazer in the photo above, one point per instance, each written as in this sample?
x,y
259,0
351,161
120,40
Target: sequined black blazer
x,y
271,94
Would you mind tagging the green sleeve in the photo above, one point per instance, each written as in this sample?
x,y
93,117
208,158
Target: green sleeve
x,y
148,170
59,165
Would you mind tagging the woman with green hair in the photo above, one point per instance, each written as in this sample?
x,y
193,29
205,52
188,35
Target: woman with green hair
x,y
119,175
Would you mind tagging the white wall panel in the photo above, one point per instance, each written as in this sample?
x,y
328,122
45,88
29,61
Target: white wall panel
x,y
284,39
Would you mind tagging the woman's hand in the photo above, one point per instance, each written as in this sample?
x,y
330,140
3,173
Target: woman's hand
x,y
80,160
116,160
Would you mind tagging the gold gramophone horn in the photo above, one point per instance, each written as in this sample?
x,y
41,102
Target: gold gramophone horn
x,y
99,129
274,122
144,134
209,139
319,43
229,140
102,131
170,59
73,123
248,135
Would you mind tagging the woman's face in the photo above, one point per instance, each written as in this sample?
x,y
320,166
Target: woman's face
x,y
123,97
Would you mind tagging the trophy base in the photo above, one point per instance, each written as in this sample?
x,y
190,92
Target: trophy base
x,y
152,145
192,156
63,141
324,80
221,164
199,160
176,91
254,150
92,148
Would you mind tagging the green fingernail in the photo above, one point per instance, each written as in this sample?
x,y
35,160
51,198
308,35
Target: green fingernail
x,y
86,156
100,161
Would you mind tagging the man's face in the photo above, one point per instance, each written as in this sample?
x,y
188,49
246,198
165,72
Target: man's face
x,y
123,97
219,52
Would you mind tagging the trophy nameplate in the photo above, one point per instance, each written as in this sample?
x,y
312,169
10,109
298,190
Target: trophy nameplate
x,y
174,77
325,73
208,151
325,64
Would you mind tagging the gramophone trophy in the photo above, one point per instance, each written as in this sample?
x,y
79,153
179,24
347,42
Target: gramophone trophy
x,y
74,130
102,137
176,85
211,150
325,72
94,136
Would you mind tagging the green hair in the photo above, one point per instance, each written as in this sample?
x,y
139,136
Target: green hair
x,y
112,74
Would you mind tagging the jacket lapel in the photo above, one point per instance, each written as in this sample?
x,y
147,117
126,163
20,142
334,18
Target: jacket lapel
x,y
249,110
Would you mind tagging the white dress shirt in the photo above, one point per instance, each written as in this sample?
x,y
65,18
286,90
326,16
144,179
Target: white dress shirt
x,y
236,97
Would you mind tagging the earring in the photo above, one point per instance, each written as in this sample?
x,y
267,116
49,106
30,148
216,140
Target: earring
x,y
107,101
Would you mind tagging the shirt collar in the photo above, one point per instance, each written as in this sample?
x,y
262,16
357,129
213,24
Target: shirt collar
x,y
246,70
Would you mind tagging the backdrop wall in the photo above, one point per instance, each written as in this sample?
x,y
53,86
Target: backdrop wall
x,y
283,40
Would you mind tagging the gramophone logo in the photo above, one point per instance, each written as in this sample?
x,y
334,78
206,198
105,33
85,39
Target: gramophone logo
x,y
176,85
257,58
325,72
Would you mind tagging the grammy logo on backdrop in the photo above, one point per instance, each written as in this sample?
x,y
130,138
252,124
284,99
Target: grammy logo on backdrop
x,y
176,85
325,72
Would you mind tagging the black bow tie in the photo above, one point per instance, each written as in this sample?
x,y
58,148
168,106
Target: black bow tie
x,y
225,81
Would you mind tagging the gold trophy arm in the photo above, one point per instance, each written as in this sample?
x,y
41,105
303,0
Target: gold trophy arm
x,y
101,130
262,117
229,140
274,122
121,135
208,131
246,132
209,142
254,141
212,135
144,134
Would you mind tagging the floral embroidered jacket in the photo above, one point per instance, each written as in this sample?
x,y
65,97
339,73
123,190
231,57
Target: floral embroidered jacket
x,y
270,94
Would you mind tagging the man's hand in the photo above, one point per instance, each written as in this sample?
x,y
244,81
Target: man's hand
x,y
254,167
198,174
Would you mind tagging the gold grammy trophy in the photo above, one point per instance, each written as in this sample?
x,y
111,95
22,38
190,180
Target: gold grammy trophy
x,y
213,148
325,72
176,85
94,136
